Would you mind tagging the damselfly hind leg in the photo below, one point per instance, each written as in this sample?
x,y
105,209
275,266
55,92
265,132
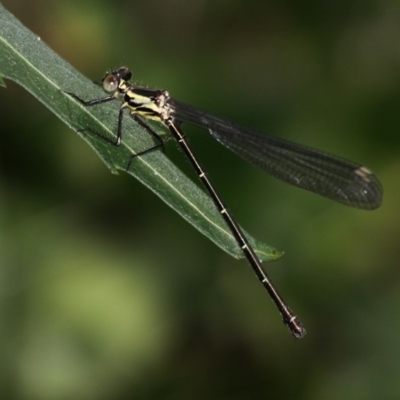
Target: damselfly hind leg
x,y
117,142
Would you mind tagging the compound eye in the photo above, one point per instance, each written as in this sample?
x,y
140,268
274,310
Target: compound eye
x,y
125,73
110,83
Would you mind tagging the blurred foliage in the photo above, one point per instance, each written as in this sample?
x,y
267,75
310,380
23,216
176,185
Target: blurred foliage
x,y
95,304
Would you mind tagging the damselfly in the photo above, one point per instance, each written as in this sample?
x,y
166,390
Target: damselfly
x,y
330,176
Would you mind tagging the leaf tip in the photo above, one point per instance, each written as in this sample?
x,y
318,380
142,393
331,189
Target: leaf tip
x,y
2,83
270,255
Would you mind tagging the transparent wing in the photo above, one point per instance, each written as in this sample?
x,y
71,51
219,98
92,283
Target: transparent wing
x,y
325,174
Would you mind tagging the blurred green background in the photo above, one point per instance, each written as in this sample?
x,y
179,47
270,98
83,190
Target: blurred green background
x,y
105,293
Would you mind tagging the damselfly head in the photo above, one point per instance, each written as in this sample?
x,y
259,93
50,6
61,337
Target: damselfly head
x,y
113,79
110,83
123,73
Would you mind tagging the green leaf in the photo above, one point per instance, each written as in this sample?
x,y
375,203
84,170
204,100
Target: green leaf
x,y
25,59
